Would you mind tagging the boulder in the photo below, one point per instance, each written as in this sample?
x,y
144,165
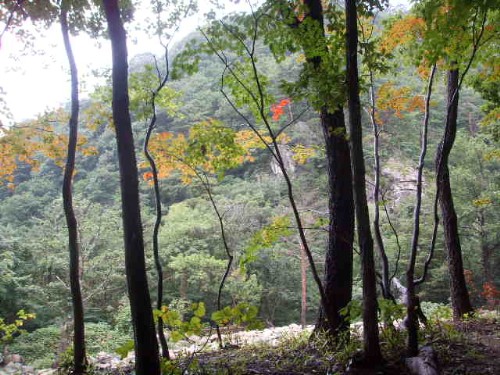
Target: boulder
x,y
16,368
426,363
47,372
13,358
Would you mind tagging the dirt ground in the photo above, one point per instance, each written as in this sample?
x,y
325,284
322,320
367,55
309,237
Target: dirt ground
x,y
478,354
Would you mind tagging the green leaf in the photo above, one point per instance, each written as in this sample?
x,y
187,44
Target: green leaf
x,y
199,309
123,350
176,336
195,321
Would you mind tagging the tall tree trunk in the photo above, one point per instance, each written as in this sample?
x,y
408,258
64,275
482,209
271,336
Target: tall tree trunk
x,y
458,289
385,282
339,253
79,357
156,229
146,346
412,302
338,262
372,354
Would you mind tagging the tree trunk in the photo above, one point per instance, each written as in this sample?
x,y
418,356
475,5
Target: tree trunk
x,y
412,304
79,357
338,262
303,284
156,229
339,258
486,250
184,285
459,295
372,354
146,346
385,279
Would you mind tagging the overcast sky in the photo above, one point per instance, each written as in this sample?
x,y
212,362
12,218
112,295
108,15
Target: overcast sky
x,y
33,83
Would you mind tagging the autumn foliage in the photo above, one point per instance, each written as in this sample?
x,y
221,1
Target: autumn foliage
x,y
34,141
278,109
403,31
489,292
396,101
210,148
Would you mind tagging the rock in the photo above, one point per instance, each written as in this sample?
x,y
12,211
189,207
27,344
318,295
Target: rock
x,y
103,366
103,357
13,358
16,369
12,368
426,363
47,372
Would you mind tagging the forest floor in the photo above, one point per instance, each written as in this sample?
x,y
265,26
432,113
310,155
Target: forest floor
x,y
471,348
476,352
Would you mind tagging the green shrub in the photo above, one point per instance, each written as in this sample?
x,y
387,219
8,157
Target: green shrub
x,y
40,348
9,330
122,321
436,311
100,337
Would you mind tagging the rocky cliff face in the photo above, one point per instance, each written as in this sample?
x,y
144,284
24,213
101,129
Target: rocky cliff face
x,y
290,163
399,181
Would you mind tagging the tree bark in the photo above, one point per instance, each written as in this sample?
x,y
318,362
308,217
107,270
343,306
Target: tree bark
x,y
158,206
486,250
338,261
156,230
458,289
372,353
303,284
79,356
385,279
412,301
339,253
146,346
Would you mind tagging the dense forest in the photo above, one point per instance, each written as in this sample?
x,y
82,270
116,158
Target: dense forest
x,y
329,164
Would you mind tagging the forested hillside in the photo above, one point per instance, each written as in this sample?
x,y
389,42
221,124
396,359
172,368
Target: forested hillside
x,y
234,121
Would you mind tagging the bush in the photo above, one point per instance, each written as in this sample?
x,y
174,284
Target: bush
x,y
10,330
100,337
122,321
436,311
40,348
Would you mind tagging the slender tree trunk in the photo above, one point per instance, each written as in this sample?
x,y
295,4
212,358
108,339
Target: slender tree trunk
x,y
458,289
338,263
412,302
486,251
386,284
156,229
303,284
184,285
79,357
372,353
146,346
